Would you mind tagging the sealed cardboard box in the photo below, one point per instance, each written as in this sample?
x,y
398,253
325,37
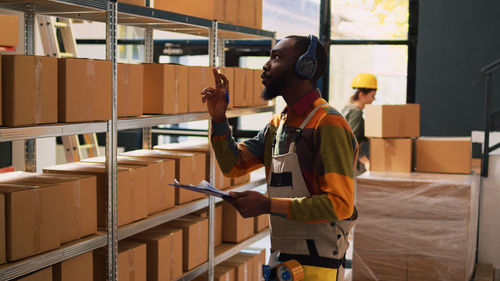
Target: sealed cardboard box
x,y
187,170
208,9
235,228
131,262
164,253
231,11
229,73
130,90
258,14
242,267
124,189
165,89
368,266
194,240
29,90
134,2
3,254
391,155
258,87
444,155
199,78
220,274
79,268
258,259
160,174
221,182
261,222
392,121
33,219
246,13
240,180
41,275
84,90
433,268
78,201
217,223
9,24
243,87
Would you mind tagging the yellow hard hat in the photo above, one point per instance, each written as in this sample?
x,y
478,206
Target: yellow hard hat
x,y
365,81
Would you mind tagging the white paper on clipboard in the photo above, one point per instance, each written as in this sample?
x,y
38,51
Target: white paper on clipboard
x,y
203,187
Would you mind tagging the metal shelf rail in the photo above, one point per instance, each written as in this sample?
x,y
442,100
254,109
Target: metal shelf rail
x,y
491,119
113,13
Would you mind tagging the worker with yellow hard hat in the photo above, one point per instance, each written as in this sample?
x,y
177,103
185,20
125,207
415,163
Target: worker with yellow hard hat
x,y
365,88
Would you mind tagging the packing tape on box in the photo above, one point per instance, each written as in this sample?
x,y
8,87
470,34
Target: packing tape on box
x,y
77,205
132,195
131,265
37,220
90,71
37,99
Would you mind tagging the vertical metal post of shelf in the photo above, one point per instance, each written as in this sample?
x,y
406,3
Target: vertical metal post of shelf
x,y
111,146
29,49
148,58
487,127
213,57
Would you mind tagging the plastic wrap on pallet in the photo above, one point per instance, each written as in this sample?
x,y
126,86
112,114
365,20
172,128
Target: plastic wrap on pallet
x,y
415,226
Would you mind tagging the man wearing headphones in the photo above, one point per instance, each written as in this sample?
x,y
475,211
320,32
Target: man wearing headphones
x,y
309,153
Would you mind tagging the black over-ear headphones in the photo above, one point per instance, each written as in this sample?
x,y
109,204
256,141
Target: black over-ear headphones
x,y
306,65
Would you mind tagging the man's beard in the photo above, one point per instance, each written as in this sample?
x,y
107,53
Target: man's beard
x,y
276,86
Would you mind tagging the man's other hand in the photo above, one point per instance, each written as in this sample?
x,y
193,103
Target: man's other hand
x,y
250,203
216,98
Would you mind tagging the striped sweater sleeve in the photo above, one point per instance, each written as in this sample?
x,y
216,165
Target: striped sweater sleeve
x,y
237,159
333,174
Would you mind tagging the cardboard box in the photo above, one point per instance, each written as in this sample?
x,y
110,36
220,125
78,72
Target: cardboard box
x,y
130,89
368,266
84,90
444,155
164,253
392,121
243,87
231,11
33,219
165,89
258,87
194,240
243,267
200,77
3,253
41,275
208,9
131,262
141,3
260,223
432,268
220,180
217,224
220,274
79,268
78,214
9,24
229,73
1,90
235,228
160,196
246,13
258,14
240,180
124,189
258,259
29,90
187,170
390,155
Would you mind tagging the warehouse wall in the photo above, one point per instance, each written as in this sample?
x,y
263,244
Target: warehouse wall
x,y
455,39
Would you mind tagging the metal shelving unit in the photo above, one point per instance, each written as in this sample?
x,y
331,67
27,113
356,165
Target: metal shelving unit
x,y
114,14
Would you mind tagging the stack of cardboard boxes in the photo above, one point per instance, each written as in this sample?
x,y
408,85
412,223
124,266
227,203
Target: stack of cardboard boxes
x,y
414,225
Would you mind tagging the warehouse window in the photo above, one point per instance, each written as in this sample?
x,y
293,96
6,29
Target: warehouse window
x,y
370,36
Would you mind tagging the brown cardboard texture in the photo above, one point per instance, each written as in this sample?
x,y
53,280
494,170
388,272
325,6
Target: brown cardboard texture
x,y
194,240
432,268
187,170
231,10
1,89
3,254
370,266
130,90
242,267
41,275
220,274
29,90
9,24
199,78
235,228
258,14
221,181
243,87
78,201
240,180
165,89
444,155
33,220
99,170
137,264
229,73
208,9
258,259
79,268
392,121
261,222
101,98
246,13
141,3
258,87
217,224
391,155
164,253
159,174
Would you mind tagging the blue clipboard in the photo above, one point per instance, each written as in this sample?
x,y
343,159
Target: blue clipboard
x,y
203,187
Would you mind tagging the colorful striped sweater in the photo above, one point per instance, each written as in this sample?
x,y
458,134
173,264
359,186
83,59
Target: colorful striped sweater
x,y
327,151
